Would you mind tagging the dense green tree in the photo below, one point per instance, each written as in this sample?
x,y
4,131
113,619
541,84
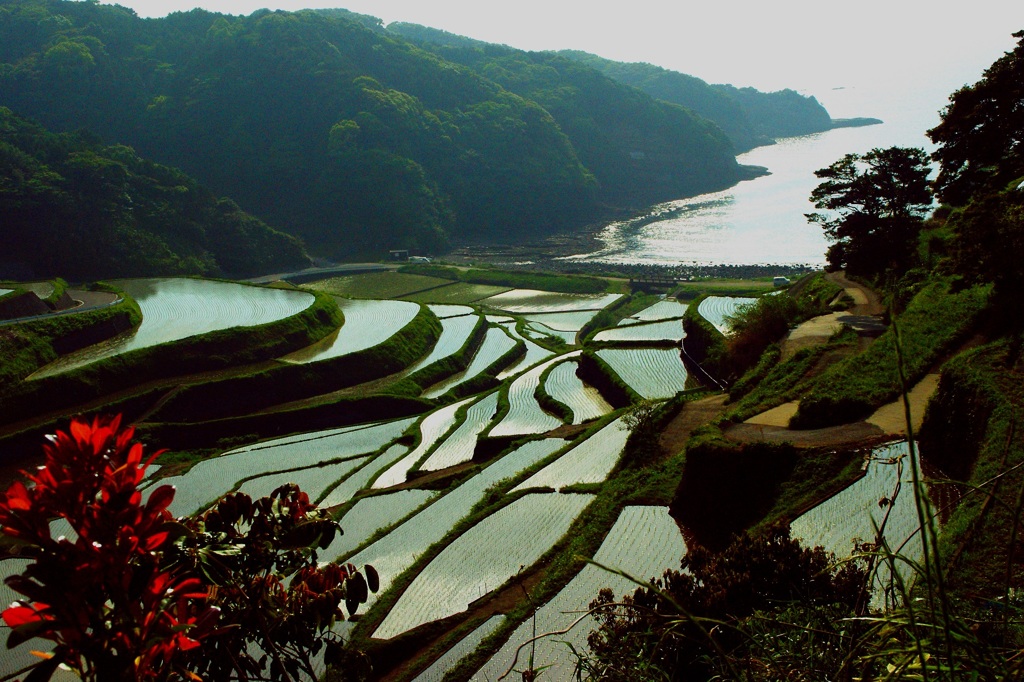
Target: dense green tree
x,y
981,137
876,204
74,207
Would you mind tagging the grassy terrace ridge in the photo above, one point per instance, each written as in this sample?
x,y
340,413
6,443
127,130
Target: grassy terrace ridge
x,y
286,382
207,352
236,431
566,284
704,342
984,456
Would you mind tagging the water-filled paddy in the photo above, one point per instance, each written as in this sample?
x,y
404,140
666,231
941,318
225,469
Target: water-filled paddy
x,y
532,301
525,414
458,447
370,514
652,372
433,426
455,331
669,330
716,309
662,310
534,353
174,309
527,528
396,551
588,462
439,668
585,401
211,478
367,324
650,528
853,514
496,343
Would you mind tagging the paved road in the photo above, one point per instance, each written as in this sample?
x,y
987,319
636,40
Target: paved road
x,y
85,300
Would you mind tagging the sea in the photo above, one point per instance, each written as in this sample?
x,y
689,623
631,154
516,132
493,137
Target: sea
x,y
762,221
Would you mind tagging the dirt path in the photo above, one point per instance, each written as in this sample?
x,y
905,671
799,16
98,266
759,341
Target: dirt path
x,y
694,414
864,317
887,421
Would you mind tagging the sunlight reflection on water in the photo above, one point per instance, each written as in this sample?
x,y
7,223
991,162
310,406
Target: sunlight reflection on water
x,y
762,221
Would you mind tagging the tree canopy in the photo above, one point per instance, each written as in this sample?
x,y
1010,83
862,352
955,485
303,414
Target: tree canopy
x,y
876,204
75,207
981,136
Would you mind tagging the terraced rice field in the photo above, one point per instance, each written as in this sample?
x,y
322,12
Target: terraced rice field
x,y
851,514
533,301
455,331
495,344
565,322
376,284
175,309
715,309
359,479
370,514
537,331
648,527
669,330
4,292
311,480
534,353
442,311
666,309
584,400
367,323
433,426
439,668
528,527
654,373
525,415
212,478
456,293
396,551
459,446
589,462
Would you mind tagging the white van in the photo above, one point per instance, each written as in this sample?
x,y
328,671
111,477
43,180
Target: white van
x,y
418,259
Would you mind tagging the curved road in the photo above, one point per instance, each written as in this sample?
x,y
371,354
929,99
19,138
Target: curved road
x,y
86,300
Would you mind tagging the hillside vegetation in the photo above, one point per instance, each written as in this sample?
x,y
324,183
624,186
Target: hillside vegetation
x,y
75,207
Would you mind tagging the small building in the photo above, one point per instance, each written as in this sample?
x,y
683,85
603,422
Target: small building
x,y
399,254
780,281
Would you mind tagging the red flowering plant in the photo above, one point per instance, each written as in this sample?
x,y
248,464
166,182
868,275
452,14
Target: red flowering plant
x,y
101,594
134,594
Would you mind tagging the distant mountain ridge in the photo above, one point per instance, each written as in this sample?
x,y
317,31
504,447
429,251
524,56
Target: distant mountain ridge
x,y
357,137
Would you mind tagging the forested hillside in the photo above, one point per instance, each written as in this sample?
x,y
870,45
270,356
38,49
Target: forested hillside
x,y
747,116
750,117
74,207
328,126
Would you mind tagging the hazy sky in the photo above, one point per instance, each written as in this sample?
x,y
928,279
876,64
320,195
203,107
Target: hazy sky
x,y
770,44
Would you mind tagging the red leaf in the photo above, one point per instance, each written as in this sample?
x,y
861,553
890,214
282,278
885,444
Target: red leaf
x,y
161,498
19,615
